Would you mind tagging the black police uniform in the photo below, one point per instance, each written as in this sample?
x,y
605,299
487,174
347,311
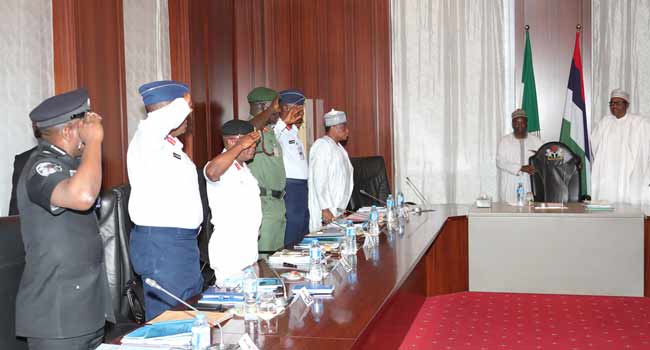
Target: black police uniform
x,y
64,291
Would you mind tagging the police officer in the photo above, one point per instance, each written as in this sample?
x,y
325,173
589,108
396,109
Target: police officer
x,y
268,168
165,203
63,300
295,166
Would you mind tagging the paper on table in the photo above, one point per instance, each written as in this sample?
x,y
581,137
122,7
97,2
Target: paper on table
x,y
213,317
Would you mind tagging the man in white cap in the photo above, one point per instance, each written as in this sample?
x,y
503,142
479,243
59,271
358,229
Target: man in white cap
x,y
621,151
513,152
330,172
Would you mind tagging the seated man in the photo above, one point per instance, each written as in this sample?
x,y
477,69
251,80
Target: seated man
x,y
330,172
513,152
234,198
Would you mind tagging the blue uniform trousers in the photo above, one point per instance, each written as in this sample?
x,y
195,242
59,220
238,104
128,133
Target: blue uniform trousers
x,y
296,200
171,257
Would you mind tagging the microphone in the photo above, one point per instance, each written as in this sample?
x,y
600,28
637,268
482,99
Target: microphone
x,y
371,196
417,191
153,284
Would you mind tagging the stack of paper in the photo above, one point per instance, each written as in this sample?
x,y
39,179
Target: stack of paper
x,y
598,205
169,333
214,295
289,257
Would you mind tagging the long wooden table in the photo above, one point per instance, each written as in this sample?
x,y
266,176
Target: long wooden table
x,y
375,310
373,306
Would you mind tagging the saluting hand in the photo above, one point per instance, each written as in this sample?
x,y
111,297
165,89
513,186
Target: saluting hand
x,y
275,105
294,115
91,129
249,139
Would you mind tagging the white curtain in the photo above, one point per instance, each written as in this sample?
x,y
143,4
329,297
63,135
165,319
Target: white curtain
x,y
450,95
146,52
26,78
621,53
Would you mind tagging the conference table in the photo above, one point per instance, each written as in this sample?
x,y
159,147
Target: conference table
x,y
374,304
574,250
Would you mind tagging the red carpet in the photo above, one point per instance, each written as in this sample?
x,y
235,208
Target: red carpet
x,y
485,321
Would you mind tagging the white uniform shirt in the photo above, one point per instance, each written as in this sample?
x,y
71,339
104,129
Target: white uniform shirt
x,y
293,151
236,215
330,180
164,181
512,154
621,150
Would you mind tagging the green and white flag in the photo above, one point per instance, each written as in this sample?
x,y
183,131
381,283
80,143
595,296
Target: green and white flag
x,y
529,100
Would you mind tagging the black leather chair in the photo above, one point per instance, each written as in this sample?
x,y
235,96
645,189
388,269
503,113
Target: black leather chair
x,y
557,174
115,228
370,176
12,262
205,234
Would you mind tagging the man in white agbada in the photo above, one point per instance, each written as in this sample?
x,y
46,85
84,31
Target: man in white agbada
x,y
621,150
330,172
513,152
234,198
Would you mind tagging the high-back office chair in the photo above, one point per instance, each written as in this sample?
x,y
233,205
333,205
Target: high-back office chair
x,y
115,228
370,176
12,263
557,174
205,233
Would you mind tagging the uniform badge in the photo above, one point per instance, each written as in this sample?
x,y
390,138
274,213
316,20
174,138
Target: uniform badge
x,y
176,155
48,168
291,142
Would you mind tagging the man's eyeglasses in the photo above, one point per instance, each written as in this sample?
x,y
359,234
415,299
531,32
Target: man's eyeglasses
x,y
617,103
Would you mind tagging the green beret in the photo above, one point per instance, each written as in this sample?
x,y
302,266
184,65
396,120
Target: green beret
x,y
261,94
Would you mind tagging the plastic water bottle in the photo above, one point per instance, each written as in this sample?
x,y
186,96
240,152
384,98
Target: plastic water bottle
x,y
401,212
390,209
315,259
373,221
200,333
350,239
250,294
520,194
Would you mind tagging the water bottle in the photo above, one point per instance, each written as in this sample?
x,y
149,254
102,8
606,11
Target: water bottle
x,y
390,209
350,239
520,194
250,294
401,212
373,222
315,259
200,333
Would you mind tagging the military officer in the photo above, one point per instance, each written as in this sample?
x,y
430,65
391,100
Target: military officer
x,y
63,300
268,168
165,203
295,166
234,197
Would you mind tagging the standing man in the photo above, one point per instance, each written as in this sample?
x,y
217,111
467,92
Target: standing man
x,y
295,166
330,172
165,203
268,168
621,151
63,300
513,152
234,197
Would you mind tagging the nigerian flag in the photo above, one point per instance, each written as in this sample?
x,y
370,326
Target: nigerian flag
x,y
574,131
529,100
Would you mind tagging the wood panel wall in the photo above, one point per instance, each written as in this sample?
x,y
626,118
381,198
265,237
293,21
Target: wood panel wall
x,y
89,53
552,35
334,50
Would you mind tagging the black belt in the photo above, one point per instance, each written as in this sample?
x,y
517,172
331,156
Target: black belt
x,y
274,193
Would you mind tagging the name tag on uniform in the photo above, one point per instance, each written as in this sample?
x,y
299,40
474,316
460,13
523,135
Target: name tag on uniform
x,y
176,155
291,142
